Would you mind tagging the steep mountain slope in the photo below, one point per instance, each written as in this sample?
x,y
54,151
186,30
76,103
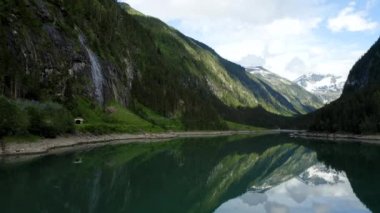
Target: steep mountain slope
x,y
327,87
227,80
90,55
289,93
358,110
366,72
61,51
184,54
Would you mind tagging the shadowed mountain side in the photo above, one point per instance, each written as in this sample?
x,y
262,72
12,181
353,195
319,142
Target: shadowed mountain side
x,y
366,72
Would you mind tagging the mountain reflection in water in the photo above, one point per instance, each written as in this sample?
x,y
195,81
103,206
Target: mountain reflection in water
x,y
270,173
318,189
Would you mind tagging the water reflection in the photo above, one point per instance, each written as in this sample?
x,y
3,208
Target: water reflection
x,y
272,173
318,189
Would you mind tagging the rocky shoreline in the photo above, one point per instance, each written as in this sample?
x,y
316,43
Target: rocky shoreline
x,y
338,137
72,143
78,142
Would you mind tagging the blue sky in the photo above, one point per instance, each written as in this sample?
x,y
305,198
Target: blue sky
x,y
289,37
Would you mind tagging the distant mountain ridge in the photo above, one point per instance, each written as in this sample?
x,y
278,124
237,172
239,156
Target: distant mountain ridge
x,y
327,87
282,89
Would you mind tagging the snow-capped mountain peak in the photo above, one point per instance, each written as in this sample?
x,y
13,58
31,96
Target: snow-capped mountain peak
x,y
327,87
282,88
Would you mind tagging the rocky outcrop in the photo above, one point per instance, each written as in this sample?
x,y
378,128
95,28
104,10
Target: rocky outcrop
x,y
42,58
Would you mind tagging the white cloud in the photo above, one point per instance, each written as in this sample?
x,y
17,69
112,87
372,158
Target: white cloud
x,y
256,11
292,26
252,60
352,20
296,65
269,32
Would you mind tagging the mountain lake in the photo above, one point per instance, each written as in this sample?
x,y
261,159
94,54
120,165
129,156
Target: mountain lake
x,y
263,173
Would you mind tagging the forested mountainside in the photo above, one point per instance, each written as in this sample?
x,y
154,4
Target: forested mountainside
x,y
365,73
228,81
358,109
95,59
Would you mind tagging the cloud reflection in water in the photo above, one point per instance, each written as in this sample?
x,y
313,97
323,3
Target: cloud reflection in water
x,y
319,189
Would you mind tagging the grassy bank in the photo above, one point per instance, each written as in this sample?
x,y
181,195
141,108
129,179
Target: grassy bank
x,y
29,121
238,127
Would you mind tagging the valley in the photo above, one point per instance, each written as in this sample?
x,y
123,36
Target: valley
x,y
142,106
138,82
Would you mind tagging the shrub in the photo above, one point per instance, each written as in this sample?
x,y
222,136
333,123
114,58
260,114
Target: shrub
x,y
48,119
13,120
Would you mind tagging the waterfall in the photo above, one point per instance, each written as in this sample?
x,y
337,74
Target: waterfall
x,y
96,71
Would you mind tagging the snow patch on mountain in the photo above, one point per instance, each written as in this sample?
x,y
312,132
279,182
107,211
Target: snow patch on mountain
x,y
258,70
281,88
268,75
327,87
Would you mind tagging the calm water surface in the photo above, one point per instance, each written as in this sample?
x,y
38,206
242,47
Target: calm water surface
x,y
271,173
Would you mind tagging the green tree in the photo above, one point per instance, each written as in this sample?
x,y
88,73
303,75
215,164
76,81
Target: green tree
x,y
13,120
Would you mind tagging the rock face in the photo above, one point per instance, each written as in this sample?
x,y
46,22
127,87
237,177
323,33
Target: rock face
x,y
327,87
42,58
96,72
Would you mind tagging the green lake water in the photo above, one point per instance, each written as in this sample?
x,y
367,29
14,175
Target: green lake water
x,y
268,173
